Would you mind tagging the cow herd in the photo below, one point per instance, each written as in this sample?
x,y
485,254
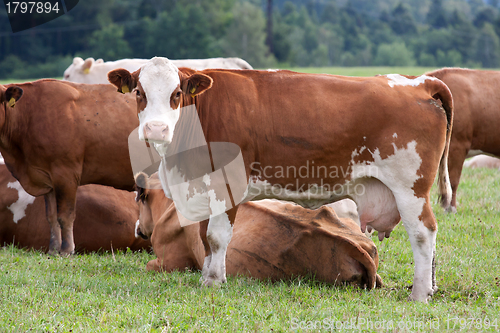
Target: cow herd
x,y
231,135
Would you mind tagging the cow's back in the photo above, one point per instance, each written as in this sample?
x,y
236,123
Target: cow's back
x,y
476,100
64,129
278,121
277,240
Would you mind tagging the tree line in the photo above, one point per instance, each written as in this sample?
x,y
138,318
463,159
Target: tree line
x,y
431,33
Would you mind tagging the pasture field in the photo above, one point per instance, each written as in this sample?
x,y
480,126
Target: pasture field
x,y
112,292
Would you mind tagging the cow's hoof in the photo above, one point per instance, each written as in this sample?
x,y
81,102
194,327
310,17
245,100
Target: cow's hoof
x,y
451,210
211,282
424,298
67,254
53,252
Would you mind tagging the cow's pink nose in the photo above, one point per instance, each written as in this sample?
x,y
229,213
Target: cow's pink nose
x,y
155,131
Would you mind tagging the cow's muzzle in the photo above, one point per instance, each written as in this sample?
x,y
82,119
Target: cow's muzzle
x,y
156,131
138,232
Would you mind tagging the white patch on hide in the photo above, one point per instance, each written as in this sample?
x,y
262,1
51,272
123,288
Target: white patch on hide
x,y
400,80
136,228
18,208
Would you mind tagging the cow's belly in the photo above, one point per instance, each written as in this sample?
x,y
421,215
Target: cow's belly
x,y
376,204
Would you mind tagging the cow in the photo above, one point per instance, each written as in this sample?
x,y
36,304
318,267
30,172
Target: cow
x,y
483,161
378,141
56,136
315,243
95,71
476,122
105,220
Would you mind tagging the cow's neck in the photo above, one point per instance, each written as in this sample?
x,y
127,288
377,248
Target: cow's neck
x,y
219,127
177,246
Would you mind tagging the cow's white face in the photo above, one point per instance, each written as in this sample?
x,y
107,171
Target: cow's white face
x,y
158,99
160,88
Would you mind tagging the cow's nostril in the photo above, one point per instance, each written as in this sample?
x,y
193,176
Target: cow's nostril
x,y
156,131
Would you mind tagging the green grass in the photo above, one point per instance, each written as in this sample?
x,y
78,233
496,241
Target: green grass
x,y
114,293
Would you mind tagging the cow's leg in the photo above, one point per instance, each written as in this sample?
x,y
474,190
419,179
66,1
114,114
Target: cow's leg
x,y
55,228
66,202
208,252
219,233
422,231
456,159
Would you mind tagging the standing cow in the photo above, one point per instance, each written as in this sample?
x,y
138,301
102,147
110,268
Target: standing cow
x,y
60,135
379,141
95,71
476,120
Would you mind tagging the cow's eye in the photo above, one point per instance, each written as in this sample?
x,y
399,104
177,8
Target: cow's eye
x,y
178,94
138,93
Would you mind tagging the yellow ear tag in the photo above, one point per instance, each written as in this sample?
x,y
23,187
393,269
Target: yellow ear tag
x,y
12,102
125,89
192,90
86,71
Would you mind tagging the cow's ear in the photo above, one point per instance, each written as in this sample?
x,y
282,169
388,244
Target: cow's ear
x,y
123,79
141,186
11,95
87,64
77,60
196,84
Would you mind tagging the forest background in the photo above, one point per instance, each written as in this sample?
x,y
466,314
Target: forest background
x,y
430,33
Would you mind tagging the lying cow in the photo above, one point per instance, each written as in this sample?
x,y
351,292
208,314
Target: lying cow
x,y
260,247
60,135
381,141
105,218
95,71
476,119
483,161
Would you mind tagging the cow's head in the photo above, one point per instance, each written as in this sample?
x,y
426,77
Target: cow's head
x,y
160,89
10,95
150,198
80,71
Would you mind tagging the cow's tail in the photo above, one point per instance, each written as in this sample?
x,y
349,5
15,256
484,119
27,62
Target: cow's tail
x,y
443,93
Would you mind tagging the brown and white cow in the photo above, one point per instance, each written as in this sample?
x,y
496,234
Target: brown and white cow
x,y
61,135
476,120
271,240
105,218
378,141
